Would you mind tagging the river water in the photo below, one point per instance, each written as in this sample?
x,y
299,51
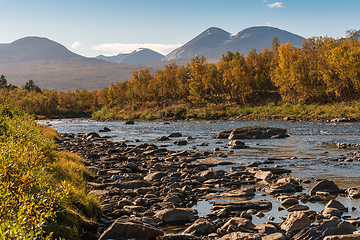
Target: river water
x,y
309,151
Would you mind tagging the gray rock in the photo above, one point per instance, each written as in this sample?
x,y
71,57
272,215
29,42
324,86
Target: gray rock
x,y
129,230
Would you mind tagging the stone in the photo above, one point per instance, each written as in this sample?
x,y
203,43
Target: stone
x,y
266,228
289,202
105,129
327,186
172,236
155,176
236,144
240,236
336,204
130,122
329,212
200,227
208,174
279,188
354,236
335,227
162,138
295,222
211,162
236,224
253,132
241,205
92,135
175,215
176,134
264,175
180,142
353,193
128,230
297,207
275,236
236,193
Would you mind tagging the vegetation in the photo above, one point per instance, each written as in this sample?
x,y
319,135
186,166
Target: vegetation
x,y
325,71
42,191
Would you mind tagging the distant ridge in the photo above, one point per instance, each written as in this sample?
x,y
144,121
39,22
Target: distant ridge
x,y
136,57
214,42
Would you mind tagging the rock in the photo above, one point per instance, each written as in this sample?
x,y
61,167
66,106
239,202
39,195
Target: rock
x,y
241,205
180,142
353,193
200,227
279,188
354,236
105,129
340,120
327,186
130,122
162,138
275,236
208,174
336,204
172,236
154,176
329,212
335,227
211,162
264,175
295,222
236,224
266,228
92,135
236,144
129,230
245,192
177,134
289,202
297,207
175,215
240,236
253,132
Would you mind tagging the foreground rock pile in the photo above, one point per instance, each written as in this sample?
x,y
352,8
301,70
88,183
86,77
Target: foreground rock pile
x,y
148,191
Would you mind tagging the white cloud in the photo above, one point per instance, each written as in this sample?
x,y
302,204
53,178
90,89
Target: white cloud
x,y
276,4
264,0
116,48
268,24
76,44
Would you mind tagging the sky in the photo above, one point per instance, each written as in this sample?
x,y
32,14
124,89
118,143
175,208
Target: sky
x,y
110,27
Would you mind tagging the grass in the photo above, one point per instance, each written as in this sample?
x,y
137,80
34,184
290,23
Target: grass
x,y
42,191
270,111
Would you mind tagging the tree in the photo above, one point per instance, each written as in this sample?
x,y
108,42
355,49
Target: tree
x,y
3,82
31,86
275,45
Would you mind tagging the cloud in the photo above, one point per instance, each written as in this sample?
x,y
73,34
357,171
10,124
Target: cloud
x,y
268,24
116,48
76,44
276,4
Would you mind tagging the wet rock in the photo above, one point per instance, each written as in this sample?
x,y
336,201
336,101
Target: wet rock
x,y
105,129
335,227
130,122
330,212
236,144
295,222
129,230
275,236
354,236
326,186
266,228
92,135
200,227
279,188
264,175
253,132
162,138
241,205
176,134
155,176
175,215
172,236
336,204
240,236
289,201
236,224
180,142
297,207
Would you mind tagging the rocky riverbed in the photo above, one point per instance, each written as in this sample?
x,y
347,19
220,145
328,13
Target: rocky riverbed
x,y
149,192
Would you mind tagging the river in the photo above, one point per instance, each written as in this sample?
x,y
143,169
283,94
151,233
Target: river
x,y
309,152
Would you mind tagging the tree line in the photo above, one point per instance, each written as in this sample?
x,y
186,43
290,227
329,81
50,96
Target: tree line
x,y
324,70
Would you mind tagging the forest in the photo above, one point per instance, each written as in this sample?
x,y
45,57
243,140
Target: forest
x,y
324,71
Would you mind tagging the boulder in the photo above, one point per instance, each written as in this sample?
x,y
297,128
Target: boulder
x,y
105,129
330,212
326,186
162,138
130,122
176,134
353,193
92,135
275,236
264,175
295,222
200,227
279,188
180,142
175,215
128,230
236,224
155,176
245,192
236,144
241,236
172,236
253,132
335,227
336,204
241,205
211,162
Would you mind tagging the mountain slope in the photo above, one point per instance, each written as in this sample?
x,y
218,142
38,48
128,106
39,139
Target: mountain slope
x,y
136,57
214,42
53,66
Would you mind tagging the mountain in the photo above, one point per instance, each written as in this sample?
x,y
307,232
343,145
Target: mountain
x,y
53,66
136,57
214,42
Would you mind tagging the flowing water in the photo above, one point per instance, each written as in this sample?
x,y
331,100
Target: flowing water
x,y
309,152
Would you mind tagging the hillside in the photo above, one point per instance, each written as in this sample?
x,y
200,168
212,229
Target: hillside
x,y
136,57
214,42
53,66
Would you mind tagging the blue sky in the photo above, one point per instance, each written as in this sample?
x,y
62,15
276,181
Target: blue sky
x,y
109,27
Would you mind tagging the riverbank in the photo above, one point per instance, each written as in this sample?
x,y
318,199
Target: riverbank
x,y
272,111
147,186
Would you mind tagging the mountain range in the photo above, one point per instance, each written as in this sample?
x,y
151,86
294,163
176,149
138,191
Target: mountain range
x,y
53,66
